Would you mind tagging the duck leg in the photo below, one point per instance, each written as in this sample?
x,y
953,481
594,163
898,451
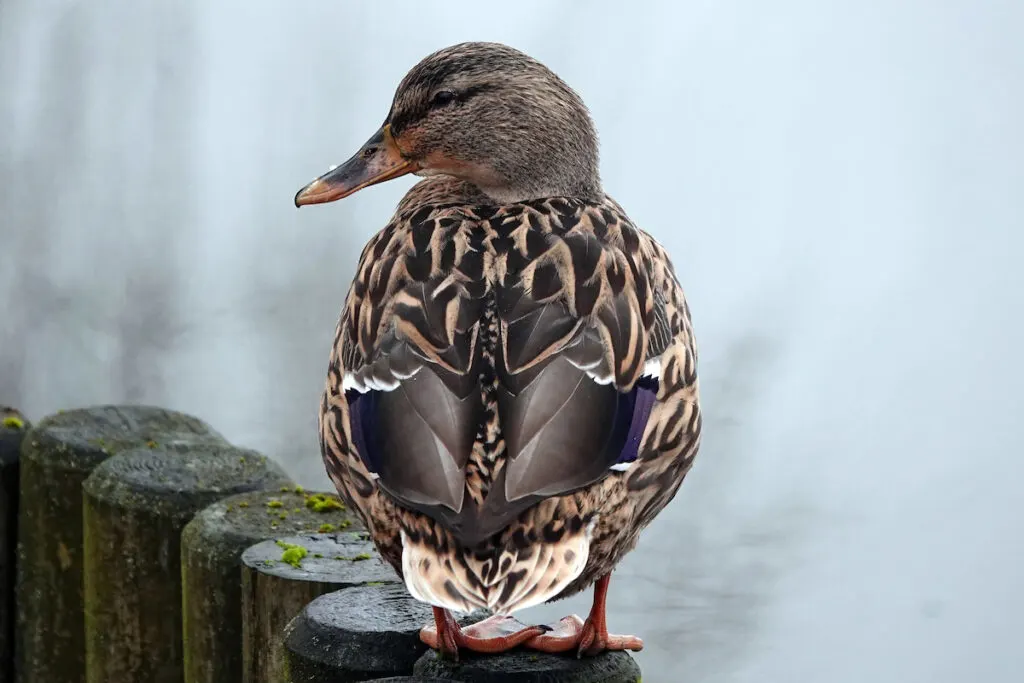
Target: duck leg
x,y
493,634
588,637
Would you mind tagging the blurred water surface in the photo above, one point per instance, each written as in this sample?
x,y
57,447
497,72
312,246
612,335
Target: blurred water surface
x,y
840,187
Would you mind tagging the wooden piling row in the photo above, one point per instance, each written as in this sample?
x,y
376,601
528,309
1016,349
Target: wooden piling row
x,y
150,549
56,457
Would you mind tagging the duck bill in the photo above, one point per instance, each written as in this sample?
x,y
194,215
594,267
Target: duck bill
x,y
377,161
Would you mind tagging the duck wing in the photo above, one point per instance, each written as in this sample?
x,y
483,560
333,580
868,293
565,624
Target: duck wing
x,y
549,303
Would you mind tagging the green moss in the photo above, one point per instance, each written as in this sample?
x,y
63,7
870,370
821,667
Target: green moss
x,y
275,504
283,515
318,555
326,528
285,489
244,504
319,502
292,554
151,444
13,422
374,583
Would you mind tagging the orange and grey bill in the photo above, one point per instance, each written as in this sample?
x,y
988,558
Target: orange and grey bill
x,y
377,161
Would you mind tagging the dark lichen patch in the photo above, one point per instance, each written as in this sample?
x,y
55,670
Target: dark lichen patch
x,y
361,557
100,444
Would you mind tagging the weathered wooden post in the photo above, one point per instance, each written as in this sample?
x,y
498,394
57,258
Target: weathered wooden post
x,y
12,431
211,550
135,506
408,679
57,455
369,633
279,578
525,666
356,634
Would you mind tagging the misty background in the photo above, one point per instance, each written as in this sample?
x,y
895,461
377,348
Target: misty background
x,y
840,185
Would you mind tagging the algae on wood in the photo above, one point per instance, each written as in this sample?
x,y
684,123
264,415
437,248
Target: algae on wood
x,y
279,578
57,455
211,550
358,634
135,507
12,430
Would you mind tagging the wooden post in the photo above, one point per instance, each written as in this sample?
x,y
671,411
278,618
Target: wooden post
x,y
357,634
12,431
409,679
211,550
281,577
135,506
522,666
56,457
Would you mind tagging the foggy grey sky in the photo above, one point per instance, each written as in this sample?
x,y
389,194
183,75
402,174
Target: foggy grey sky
x,y
840,186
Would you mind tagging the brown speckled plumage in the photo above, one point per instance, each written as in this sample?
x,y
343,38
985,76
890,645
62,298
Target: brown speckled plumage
x,y
617,286
512,394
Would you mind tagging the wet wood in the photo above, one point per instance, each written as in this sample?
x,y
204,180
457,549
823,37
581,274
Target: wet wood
x,y
135,507
279,578
56,457
13,427
526,666
211,550
357,634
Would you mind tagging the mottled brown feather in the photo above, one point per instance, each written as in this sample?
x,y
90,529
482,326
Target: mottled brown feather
x,y
448,285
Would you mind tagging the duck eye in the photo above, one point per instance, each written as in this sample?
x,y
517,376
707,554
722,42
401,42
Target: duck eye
x,y
442,98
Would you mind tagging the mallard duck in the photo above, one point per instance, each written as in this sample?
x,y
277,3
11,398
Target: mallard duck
x,y
512,393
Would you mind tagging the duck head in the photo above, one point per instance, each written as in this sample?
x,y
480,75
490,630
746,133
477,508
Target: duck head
x,y
480,112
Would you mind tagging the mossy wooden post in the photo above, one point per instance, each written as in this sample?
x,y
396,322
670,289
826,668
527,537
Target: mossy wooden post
x,y
526,666
357,634
12,431
135,506
281,577
56,457
211,550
